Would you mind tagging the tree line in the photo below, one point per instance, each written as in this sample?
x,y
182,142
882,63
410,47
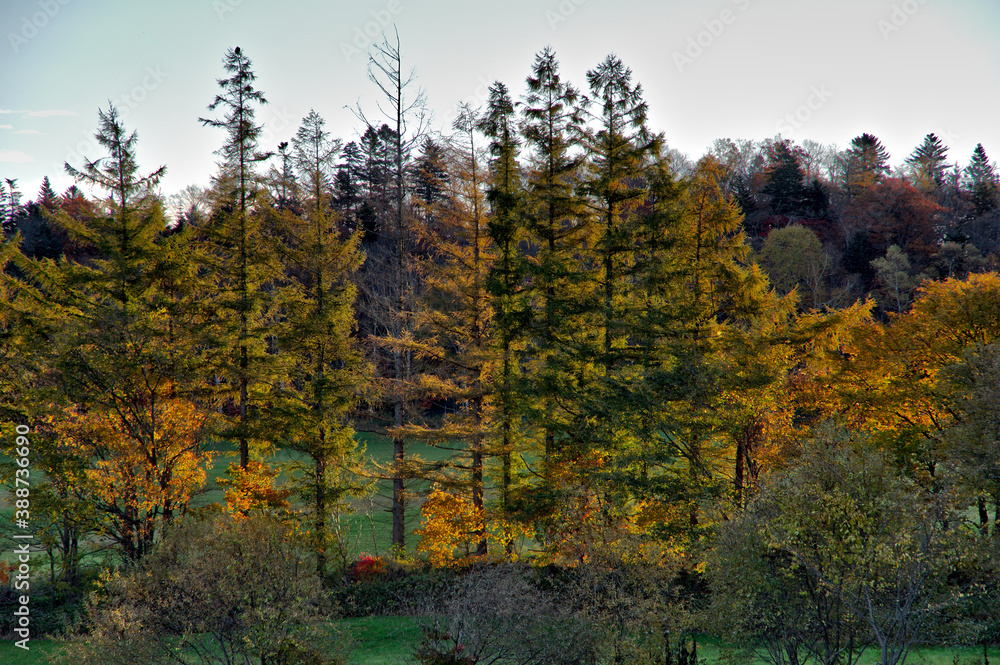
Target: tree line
x,y
773,368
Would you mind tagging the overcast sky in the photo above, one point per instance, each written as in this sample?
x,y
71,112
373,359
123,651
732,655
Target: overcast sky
x,y
825,70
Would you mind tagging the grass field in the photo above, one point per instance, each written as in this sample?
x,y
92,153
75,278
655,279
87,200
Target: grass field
x,y
365,528
390,641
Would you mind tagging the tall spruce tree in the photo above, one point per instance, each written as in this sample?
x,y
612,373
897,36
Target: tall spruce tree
x,y
558,228
928,163
785,180
11,207
620,151
981,181
238,255
505,281
865,163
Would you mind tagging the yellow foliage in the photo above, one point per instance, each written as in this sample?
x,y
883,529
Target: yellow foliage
x,y
252,489
138,470
450,523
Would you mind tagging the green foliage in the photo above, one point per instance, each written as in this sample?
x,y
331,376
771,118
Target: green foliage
x,y
239,260
928,163
846,537
793,257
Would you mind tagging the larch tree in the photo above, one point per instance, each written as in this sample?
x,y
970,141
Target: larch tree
x,y
404,109
717,302
122,352
238,256
454,325
322,368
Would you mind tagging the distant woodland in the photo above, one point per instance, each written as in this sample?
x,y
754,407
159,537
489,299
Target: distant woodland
x,y
628,398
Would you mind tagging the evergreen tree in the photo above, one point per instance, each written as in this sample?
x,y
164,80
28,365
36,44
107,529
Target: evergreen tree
x,y
981,181
866,162
11,207
785,180
238,256
321,365
284,185
120,354
348,187
928,164
505,281
47,197
558,228
430,178
714,308
619,153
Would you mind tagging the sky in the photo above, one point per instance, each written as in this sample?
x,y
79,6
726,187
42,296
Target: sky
x,y
825,70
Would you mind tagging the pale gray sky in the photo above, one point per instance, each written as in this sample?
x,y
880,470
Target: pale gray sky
x,y
825,70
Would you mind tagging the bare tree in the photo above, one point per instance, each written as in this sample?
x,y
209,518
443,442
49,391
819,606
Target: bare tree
x,y
405,108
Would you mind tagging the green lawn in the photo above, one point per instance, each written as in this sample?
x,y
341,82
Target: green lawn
x,y
35,655
382,640
366,528
390,641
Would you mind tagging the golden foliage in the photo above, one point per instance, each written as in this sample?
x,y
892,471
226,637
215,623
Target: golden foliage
x,y
251,489
146,471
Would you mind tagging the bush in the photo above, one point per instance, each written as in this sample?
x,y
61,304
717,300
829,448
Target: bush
x,y
496,614
212,592
392,590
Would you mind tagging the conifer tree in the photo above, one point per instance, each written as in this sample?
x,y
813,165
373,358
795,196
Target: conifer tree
x,y
238,256
785,180
619,153
981,179
928,164
712,305
322,369
404,108
11,207
47,196
453,324
120,357
557,225
866,162
505,281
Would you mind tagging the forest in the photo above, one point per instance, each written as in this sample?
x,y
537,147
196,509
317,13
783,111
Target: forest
x,y
558,390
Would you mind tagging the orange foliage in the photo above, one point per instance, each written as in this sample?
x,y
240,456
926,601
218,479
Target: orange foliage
x,y
450,523
252,489
894,213
142,472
